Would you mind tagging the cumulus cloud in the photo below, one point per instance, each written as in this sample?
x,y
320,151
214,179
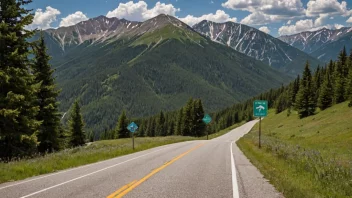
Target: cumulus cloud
x,y
327,7
265,29
73,19
338,26
349,20
321,19
305,25
44,19
219,17
300,26
139,11
268,11
259,18
271,11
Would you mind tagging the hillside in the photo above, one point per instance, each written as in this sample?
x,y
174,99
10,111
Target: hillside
x,y
331,50
305,157
151,66
258,45
311,41
324,44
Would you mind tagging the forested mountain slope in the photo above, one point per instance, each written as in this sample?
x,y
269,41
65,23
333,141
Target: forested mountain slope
x,y
147,67
258,45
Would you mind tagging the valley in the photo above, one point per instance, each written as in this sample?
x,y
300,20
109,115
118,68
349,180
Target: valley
x,y
147,67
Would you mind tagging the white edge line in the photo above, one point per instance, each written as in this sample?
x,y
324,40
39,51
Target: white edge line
x,y
71,169
234,175
90,174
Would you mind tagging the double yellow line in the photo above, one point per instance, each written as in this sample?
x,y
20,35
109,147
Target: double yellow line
x,y
129,187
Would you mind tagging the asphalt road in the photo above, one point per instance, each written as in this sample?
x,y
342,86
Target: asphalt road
x,y
214,168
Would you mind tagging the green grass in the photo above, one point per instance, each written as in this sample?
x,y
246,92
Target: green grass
x,y
305,158
95,152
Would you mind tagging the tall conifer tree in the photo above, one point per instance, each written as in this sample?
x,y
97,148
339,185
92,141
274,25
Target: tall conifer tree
x,y
47,102
78,135
18,123
305,101
121,130
326,94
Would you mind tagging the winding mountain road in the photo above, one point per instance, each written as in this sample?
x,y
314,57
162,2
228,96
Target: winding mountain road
x,y
214,168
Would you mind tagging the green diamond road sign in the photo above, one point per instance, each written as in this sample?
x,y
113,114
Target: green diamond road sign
x,y
132,127
260,108
206,119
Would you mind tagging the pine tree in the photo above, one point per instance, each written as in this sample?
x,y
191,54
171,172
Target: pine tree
x,y
179,123
76,126
187,119
18,124
305,100
326,95
281,103
160,125
318,81
199,129
339,85
121,130
349,88
294,91
47,102
343,56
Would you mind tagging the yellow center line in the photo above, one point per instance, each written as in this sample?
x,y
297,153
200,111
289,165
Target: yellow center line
x,y
123,191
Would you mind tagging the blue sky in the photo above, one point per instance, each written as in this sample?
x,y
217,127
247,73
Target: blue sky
x,y
277,17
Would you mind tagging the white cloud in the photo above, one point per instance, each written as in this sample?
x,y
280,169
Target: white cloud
x,y
265,29
139,11
267,11
321,19
73,19
305,25
349,20
272,11
44,19
271,7
259,18
289,22
338,26
328,7
219,17
300,26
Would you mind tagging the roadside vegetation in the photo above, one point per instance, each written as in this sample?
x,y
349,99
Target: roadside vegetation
x,y
308,157
91,153
306,147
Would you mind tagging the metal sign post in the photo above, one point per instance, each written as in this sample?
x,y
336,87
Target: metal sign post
x,y
132,128
207,120
260,109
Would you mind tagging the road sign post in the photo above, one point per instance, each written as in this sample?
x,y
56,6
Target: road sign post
x,y
207,120
260,109
132,128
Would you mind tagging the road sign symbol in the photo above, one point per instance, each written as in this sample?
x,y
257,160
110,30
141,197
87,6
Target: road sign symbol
x,y
260,108
206,119
132,127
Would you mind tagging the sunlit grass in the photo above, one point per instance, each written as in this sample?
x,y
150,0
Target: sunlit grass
x,y
311,157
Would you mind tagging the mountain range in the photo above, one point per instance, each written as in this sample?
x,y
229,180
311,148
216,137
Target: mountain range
x,y
324,44
112,64
258,45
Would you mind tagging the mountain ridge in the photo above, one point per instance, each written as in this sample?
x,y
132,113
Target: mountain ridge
x,y
257,44
151,70
310,41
